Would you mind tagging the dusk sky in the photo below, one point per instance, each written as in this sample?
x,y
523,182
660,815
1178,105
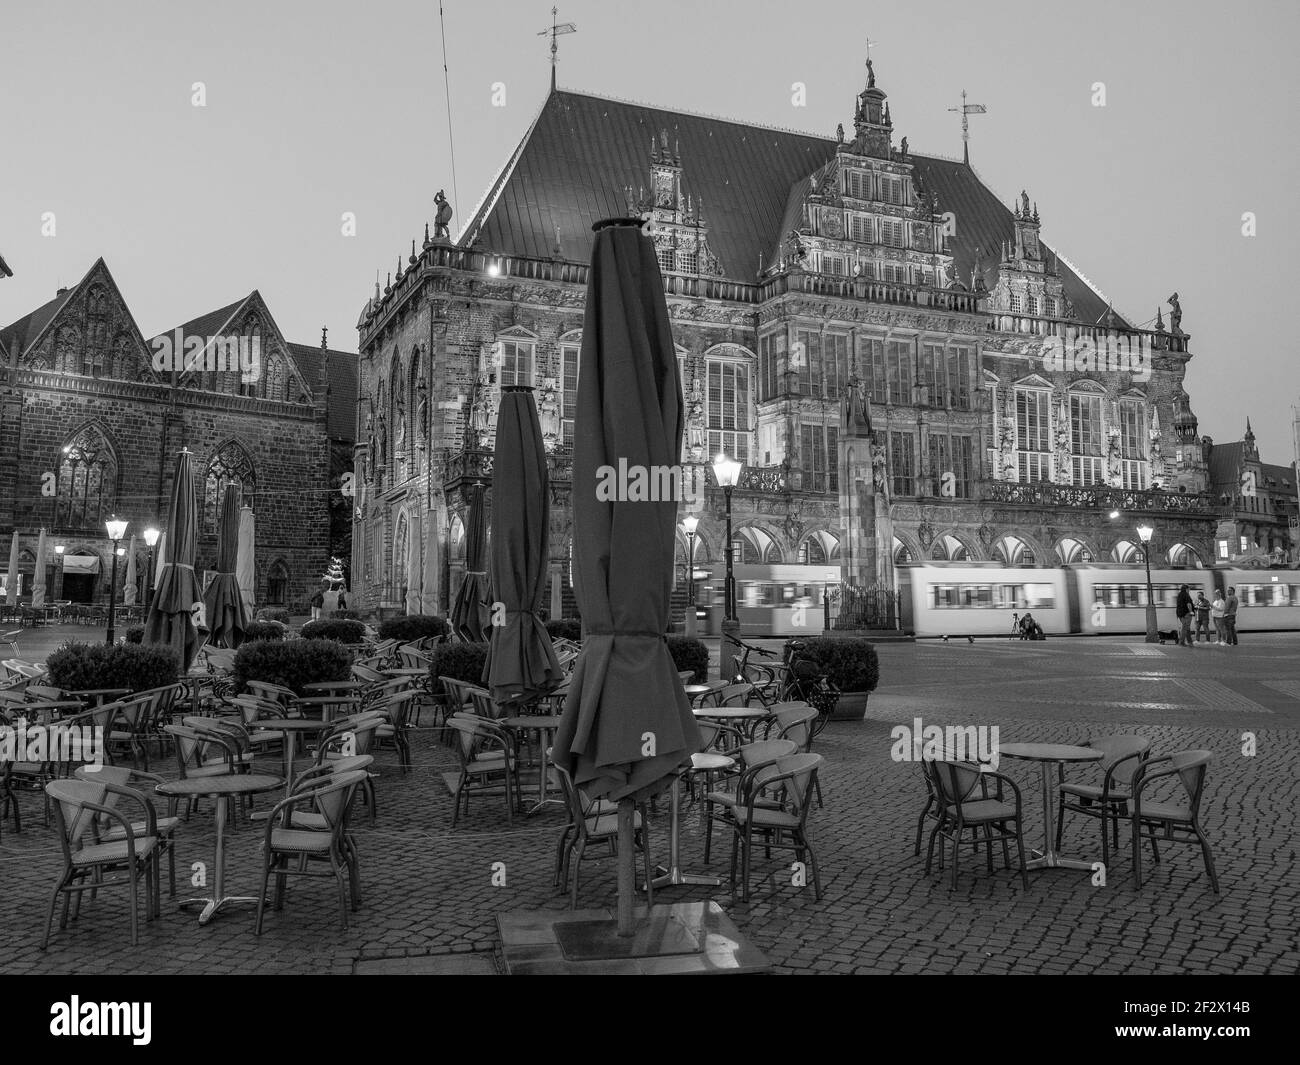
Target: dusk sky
x,y
316,109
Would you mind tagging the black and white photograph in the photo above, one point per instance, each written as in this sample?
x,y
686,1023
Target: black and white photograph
x,y
583,488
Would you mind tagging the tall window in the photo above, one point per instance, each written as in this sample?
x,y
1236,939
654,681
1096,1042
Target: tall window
x,y
96,331
1086,440
568,382
687,260
1032,435
861,228
891,189
1031,305
1133,431
275,377
230,465
810,373
666,257
517,362
768,370
891,232
835,363
820,458
873,360
902,463
939,463
857,183
66,343
934,377
959,378
87,487
277,584
900,372
728,396
952,465
1015,303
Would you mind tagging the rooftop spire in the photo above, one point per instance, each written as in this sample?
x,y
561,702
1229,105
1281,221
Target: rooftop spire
x,y
556,30
967,109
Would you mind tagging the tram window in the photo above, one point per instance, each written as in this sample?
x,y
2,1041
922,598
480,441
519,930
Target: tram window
x,y
992,596
1268,594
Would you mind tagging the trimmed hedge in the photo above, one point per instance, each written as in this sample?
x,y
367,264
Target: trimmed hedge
x,y
690,654
411,627
264,630
345,615
851,661
291,663
86,666
273,613
460,661
135,634
331,629
565,629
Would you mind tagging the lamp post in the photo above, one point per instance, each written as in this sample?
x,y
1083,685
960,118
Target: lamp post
x,y
151,539
58,576
116,530
1144,534
690,523
727,473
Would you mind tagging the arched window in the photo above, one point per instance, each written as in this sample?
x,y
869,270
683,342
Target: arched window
x,y
87,487
1013,551
123,366
1184,555
96,331
1070,550
277,584
400,570
413,400
275,378
1126,551
66,343
948,548
902,553
754,547
230,465
727,404
818,548
396,419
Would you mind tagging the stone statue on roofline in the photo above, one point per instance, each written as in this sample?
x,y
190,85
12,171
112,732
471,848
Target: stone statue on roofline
x,y
442,221
1175,316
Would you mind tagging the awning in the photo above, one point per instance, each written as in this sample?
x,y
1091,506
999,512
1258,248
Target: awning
x,y
80,564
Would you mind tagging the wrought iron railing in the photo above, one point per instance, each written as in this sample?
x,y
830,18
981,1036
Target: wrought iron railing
x,y
864,608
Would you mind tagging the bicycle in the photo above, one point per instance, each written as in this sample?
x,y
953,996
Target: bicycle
x,y
806,682
763,678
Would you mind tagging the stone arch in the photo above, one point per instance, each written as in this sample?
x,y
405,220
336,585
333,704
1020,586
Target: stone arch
x,y
1017,549
817,547
230,464
906,543
277,583
759,545
1125,550
87,482
1070,550
1184,554
951,546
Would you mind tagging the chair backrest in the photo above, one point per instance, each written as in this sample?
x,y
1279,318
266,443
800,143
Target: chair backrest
x,y
954,782
792,779
1121,748
362,733
797,723
333,799
411,657
572,800
367,673
761,751
485,705
734,695
73,800
1192,767
192,748
275,692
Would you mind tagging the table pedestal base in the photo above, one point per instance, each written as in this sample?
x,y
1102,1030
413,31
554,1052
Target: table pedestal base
x,y
211,907
1055,861
673,875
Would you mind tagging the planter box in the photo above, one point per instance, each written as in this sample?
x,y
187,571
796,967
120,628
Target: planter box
x,y
852,706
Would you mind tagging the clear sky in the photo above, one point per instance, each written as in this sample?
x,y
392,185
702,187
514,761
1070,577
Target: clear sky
x,y
314,109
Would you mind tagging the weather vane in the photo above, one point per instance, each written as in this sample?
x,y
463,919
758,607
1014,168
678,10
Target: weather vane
x,y
556,29
967,109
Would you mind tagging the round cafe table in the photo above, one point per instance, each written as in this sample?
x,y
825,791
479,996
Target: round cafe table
x,y
329,687
1049,755
674,874
546,724
220,789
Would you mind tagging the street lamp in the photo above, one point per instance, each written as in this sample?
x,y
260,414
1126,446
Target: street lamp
x,y
727,473
690,523
151,539
1144,534
116,530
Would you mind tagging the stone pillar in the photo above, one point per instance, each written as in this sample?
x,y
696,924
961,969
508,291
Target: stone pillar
x,y
557,589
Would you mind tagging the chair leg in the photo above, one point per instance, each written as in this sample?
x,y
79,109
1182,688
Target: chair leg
x,y
261,897
920,825
577,874
1105,836
49,916
1209,858
988,845
1020,853
131,879
1060,820
956,854
1137,852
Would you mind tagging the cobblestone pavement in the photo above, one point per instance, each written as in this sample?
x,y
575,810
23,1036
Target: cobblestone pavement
x,y
428,888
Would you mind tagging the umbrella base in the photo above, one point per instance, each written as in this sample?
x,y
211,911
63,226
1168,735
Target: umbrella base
x,y
687,937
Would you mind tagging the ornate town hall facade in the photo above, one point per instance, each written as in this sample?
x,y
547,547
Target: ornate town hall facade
x,y
907,368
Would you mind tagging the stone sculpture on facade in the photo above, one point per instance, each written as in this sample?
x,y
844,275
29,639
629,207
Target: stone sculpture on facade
x,y
1175,316
442,220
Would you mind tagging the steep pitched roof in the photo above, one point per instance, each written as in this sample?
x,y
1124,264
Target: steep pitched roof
x,y
209,324
341,418
1225,463
1283,477
4,268
19,336
574,162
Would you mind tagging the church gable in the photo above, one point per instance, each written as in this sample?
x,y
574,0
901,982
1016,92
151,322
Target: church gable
x,y
91,332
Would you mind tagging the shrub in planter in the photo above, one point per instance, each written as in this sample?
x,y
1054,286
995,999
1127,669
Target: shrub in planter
x,y
273,613
135,634
291,663
264,630
460,661
411,627
690,654
346,615
331,629
853,667
565,629
85,666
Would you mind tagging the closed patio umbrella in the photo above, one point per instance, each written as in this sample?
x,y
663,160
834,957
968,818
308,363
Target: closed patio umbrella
x,y
429,583
223,604
414,574
160,559
128,582
11,588
177,591
245,561
471,615
38,581
521,661
627,725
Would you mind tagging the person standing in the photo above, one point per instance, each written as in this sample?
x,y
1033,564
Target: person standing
x,y
1202,617
317,601
1230,617
1184,611
1216,613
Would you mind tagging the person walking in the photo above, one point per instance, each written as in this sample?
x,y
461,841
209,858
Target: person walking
x,y
317,601
1230,617
1216,614
1202,617
1184,610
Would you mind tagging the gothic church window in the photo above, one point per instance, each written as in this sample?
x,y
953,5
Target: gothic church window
x,y
230,465
87,484
96,331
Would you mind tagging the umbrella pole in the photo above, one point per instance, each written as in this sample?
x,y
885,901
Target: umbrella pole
x,y
626,867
